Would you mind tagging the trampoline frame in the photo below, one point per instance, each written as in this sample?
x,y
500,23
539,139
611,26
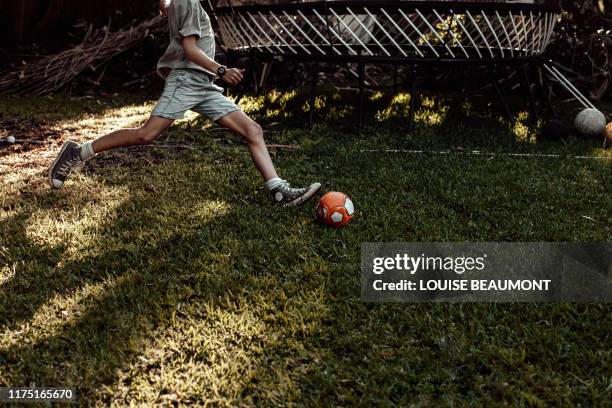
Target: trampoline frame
x,y
271,32
248,28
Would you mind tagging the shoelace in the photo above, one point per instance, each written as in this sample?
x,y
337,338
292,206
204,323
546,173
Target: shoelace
x,y
285,186
65,168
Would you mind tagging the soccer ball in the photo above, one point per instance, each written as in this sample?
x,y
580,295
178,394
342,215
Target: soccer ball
x,y
590,122
335,209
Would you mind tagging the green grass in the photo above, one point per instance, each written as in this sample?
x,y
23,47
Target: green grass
x,y
165,275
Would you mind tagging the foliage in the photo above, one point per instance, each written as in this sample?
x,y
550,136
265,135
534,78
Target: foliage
x,y
584,45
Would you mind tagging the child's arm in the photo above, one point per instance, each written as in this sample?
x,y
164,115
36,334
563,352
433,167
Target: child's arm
x,y
194,54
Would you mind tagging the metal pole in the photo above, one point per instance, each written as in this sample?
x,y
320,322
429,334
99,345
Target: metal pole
x,y
500,95
527,83
361,70
413,97
545,93
313,93
292,75
394,79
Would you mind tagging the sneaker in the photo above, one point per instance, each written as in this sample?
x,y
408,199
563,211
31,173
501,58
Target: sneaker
x,y
284,194
67,159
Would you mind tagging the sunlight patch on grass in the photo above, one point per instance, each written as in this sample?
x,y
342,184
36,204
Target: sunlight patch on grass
x,y
251,104
340,112
208,210
220,355
399,105
274,113
5,214
430,118
521,131
376,96
7,272
272,96
11,178
432,112
601,152
77,219
429,112
429,103
287,96
92,125
190,118
192,215
467,107
320,102
59,311
401,98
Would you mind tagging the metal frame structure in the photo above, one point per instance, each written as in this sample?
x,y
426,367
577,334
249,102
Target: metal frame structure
x,y
413,32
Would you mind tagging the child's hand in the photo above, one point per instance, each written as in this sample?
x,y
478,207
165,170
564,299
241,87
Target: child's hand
x,y
233,76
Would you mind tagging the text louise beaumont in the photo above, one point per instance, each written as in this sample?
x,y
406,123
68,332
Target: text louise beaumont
x,y
461,285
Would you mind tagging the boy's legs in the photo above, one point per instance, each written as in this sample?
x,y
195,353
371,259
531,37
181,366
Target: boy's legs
x,y
172,104
72,154
238,122
217,107
184,90
146,134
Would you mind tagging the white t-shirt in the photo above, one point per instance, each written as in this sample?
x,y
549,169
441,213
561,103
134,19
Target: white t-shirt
x,y
186,18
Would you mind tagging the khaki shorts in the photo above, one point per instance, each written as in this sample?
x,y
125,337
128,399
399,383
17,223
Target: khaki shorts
x,y
190,89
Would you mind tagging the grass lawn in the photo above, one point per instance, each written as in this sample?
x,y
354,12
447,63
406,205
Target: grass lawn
x,y
163,275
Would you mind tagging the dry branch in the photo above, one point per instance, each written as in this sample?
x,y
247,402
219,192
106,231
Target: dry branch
x,y
51,73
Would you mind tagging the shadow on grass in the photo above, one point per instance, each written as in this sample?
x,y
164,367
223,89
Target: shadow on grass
x,y
154,254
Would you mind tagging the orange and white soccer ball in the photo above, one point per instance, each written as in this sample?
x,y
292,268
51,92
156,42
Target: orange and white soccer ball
x,y
608,133
335,209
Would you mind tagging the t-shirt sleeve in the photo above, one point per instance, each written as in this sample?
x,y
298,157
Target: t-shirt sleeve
x,y
189,17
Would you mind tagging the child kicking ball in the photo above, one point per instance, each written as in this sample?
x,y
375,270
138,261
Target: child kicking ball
x,y
189,70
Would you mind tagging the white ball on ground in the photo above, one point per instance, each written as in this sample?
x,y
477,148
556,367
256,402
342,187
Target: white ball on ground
x,y
590,122
10,139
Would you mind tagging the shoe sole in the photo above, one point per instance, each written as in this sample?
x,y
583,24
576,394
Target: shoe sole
x,y
50,172
303,198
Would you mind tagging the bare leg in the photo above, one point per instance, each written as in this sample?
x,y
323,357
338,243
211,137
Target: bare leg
x,y
71,153
252,134
145,134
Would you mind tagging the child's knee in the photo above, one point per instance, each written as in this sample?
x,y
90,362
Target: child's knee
x,y
254,133
145,135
